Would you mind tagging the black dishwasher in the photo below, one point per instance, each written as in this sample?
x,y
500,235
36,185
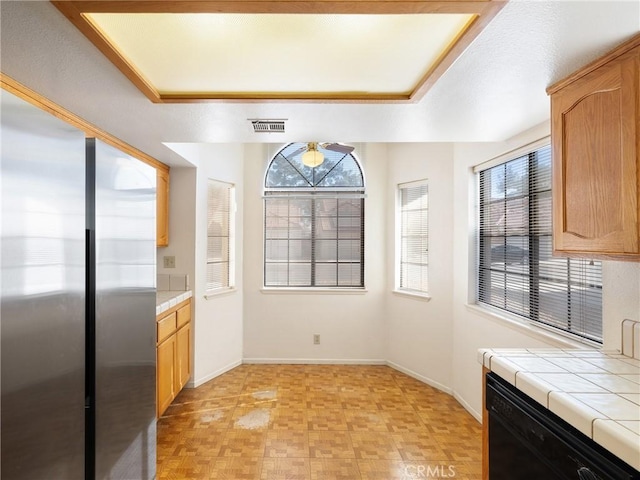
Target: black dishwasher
x,y
529,442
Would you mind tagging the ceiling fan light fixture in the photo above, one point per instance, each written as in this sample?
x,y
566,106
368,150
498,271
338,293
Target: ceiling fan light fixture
x,y
312,157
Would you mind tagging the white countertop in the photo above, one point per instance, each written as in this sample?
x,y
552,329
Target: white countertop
x,y
596,392
165,299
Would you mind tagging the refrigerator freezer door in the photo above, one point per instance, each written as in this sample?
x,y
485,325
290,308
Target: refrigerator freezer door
x,y
125,275
42,304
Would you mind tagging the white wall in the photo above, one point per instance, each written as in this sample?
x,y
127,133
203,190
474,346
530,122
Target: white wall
x,y
472,328
420,333
279,327
436,341
218,327
217,321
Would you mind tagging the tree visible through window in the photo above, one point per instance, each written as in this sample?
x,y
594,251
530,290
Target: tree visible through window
x,y
314,221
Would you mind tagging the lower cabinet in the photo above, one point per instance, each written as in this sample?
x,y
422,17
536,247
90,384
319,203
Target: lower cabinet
x,y
183,356
165,368
173,353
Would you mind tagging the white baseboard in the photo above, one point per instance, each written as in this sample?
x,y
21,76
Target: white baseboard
x,y
423,379
196,383
440,387
467,407
314,361
334,361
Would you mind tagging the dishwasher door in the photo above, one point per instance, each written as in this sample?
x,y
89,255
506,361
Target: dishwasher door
x,y
529,442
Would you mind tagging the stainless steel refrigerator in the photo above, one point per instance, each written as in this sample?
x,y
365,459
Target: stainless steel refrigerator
x,y
77,305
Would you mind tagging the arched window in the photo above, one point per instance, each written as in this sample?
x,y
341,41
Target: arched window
x,y
314,220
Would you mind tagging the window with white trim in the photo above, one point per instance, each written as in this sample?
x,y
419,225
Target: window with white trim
x,y
413,233
313,221
220,235
516,270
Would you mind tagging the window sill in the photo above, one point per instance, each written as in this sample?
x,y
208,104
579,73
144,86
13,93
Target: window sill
x,y
539,332
220,292
312,291
425,297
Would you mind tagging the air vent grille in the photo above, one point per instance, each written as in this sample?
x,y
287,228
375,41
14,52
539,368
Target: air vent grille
x,y
268,126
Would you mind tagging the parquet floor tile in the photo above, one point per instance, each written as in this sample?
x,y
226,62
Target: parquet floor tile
x,y
366,420
331,445
331,420
334,469
287,444
317,422
286,469
373,446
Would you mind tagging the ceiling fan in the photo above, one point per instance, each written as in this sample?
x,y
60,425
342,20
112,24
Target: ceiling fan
x,y
312,157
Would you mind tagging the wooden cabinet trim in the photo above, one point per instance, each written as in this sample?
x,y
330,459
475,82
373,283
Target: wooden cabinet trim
x,y
595,121
166,327
184,315
90,130
165,361
175,308
485,427
183,356
173,370
162,207
623,48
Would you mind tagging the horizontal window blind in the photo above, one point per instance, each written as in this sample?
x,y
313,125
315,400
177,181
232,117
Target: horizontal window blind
x,y
219,234
314,220
313,242
517,271
414,236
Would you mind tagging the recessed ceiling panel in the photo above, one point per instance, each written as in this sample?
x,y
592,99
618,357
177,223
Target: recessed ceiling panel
x,y
276,54
284,50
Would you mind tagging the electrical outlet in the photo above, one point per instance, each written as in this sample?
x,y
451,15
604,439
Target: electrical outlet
x,y
316,339
169,261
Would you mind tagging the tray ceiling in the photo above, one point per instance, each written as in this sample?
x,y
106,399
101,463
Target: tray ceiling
x,y
279,51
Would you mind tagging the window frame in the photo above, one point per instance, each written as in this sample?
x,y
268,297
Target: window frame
x,y
399,231
315,193
228,280
585,335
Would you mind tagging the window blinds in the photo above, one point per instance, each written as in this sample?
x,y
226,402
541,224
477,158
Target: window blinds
x,y
517,272
219,200
313,240
414,236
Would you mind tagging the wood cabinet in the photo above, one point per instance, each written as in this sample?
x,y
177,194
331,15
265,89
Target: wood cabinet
x,y
173,353
595,130
165,373
183,356
162,207
485,427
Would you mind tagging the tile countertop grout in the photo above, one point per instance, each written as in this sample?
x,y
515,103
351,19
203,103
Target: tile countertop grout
x,y
165,299
598,393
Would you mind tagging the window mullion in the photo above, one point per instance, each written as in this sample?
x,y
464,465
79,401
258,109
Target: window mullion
x,y
313,242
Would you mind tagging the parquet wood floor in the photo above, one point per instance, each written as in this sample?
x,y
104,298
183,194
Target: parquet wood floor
x,y
317,422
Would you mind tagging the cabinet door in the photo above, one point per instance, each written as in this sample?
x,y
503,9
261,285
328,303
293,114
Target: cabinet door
x,y
594,129
183,357
162,207
166,374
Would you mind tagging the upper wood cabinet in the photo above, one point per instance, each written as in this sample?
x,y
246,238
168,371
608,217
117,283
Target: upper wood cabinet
x,y
162,206
595,133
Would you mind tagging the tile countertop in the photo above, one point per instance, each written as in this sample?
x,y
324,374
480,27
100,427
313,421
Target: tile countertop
x,y
596,392
165,299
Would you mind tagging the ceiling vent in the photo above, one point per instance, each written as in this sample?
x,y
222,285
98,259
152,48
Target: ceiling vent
x,y
267,126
